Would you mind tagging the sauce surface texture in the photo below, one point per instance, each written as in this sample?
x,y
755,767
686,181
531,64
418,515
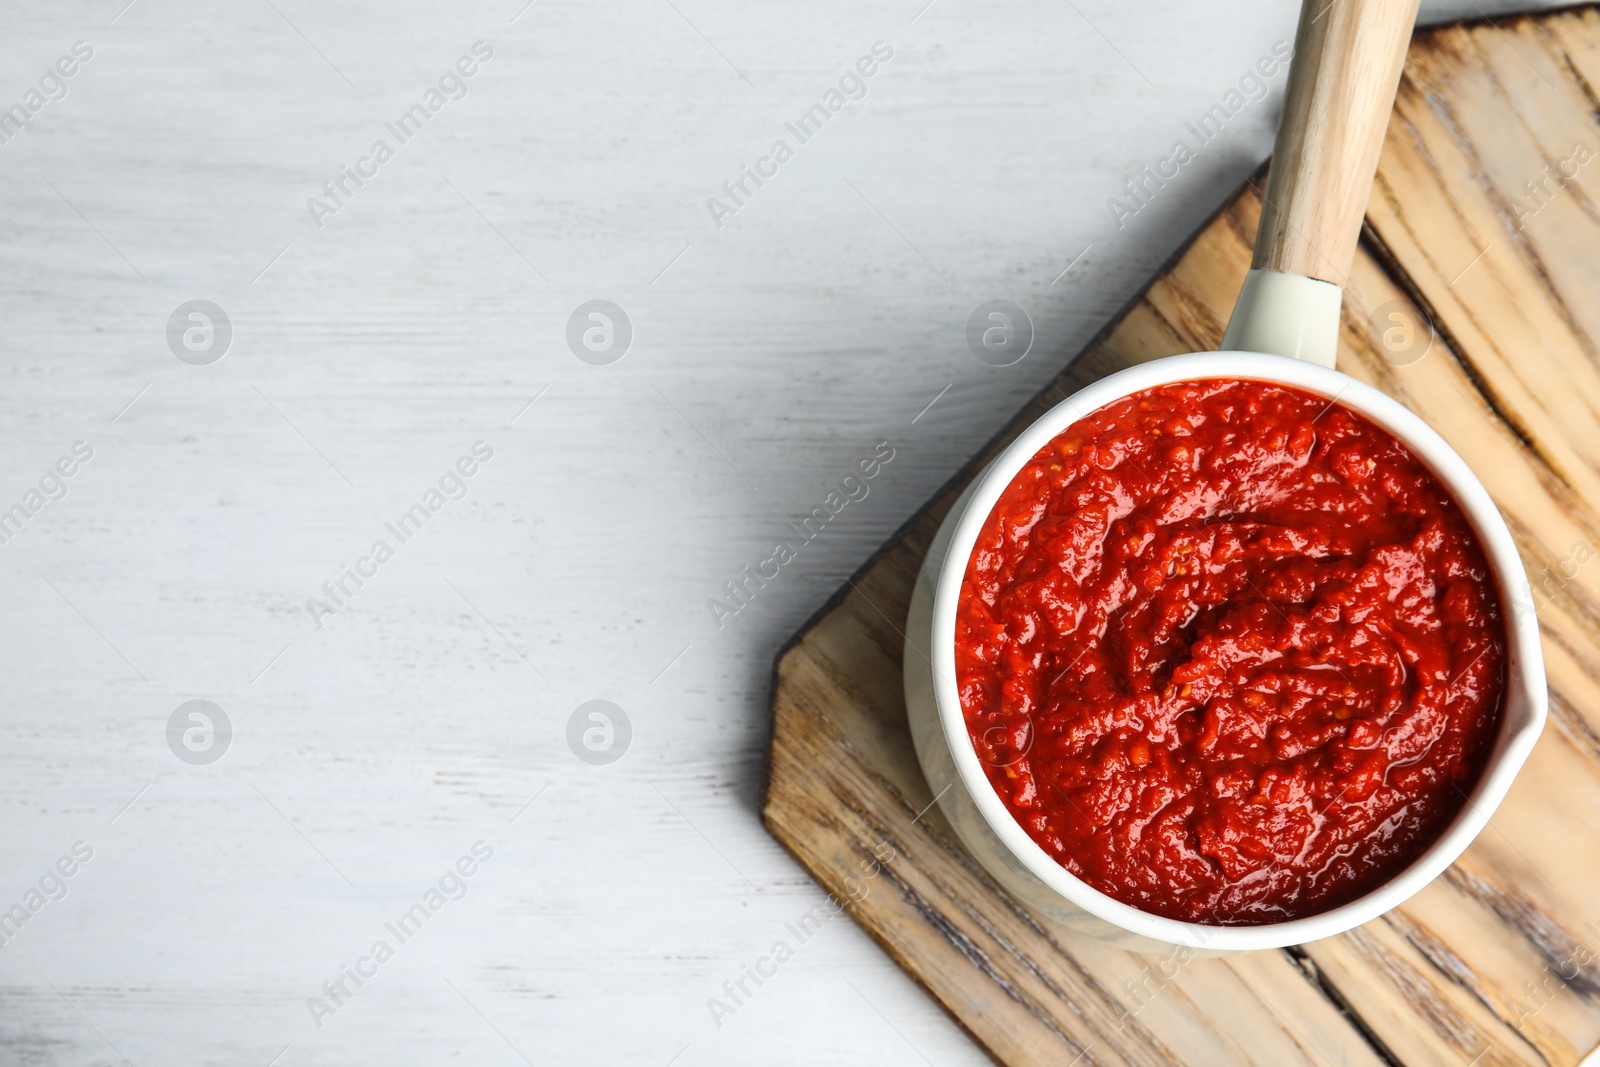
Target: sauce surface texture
x,y
1229,652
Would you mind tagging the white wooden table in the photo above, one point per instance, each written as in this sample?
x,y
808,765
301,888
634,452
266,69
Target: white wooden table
x,y
383,729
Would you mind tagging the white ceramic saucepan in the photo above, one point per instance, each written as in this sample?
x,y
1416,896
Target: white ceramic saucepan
x,y
1284,329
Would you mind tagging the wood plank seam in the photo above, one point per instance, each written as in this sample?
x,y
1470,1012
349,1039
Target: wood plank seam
x,y
1313,974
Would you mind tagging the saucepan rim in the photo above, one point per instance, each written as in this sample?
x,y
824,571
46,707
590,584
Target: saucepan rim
x,y
1523,709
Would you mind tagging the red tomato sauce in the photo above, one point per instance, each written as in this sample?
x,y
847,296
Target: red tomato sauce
x,y
1229,652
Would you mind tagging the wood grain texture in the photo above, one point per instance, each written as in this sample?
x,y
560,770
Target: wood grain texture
x,y
1347,60
1483,238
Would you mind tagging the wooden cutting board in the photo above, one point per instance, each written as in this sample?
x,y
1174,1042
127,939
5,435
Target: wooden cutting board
x,y
1482,223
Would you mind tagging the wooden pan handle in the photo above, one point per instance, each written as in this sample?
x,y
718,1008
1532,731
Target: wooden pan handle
x,y
1347,60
